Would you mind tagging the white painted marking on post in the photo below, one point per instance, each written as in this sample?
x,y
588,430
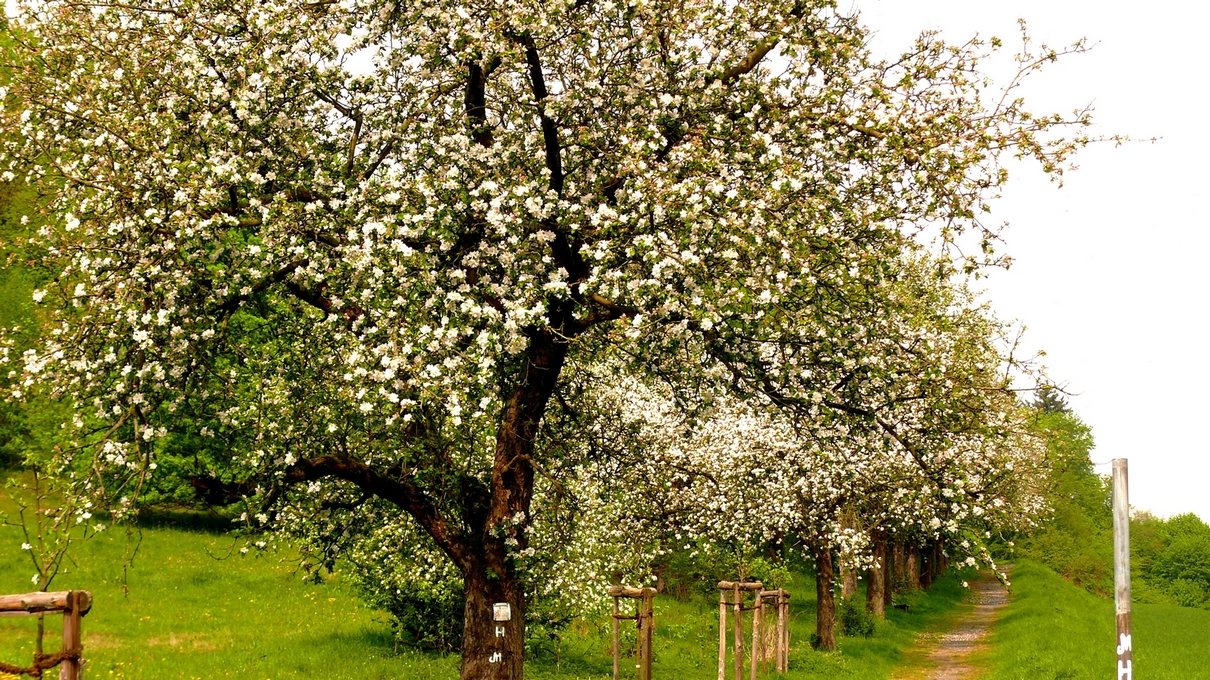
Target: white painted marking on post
x,y
496,657
1125,670
499,631
1123,643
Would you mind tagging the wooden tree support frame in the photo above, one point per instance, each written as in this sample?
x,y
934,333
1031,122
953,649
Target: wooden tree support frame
x,y
644,619
779,621
776,626
74,604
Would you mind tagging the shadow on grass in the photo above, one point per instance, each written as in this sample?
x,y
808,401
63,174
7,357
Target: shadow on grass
x,y
186,519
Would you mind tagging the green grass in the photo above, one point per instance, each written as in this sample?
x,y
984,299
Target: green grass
x,y
186,614
1053,629
189,615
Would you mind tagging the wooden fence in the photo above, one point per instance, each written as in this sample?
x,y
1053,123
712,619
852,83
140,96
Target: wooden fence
x,y
74,604
770,635
644,618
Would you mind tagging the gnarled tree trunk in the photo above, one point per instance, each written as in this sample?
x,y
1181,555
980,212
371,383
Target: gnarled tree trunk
x,y
848,574
491,649
928,565
899,559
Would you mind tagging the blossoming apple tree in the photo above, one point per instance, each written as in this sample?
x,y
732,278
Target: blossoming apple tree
x,y
939,446
352,252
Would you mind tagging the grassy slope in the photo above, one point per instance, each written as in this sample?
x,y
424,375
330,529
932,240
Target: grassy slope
x,y
1053,629
189,615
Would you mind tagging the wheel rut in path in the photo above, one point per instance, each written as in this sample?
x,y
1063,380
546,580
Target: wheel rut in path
x,y
947,655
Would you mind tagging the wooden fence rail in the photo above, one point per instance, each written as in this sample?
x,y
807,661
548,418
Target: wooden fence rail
x,y
74,604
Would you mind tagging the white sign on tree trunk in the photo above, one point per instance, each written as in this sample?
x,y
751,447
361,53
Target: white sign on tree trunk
x,y
502,611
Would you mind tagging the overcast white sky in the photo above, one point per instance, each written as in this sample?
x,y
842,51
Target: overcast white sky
x,y
1111,274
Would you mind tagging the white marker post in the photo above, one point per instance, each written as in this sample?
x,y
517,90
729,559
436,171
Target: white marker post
x,y
1121,569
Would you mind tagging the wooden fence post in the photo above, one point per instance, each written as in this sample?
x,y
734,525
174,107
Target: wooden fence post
x,y
722,634
783,616
70,668
648,628
1121,570
756,610
616,639
738,626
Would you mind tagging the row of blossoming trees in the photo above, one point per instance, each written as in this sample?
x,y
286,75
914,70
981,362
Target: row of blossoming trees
x,y
521,293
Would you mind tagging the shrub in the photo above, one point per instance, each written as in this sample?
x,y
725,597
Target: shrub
x,y
855,621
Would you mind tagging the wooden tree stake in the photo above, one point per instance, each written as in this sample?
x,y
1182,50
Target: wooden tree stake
x,y
783,620
722,634
644,619
756,653
71,669
73,603
738,626
775,627
616,639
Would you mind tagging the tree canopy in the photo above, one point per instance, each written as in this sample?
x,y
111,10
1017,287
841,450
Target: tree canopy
x,y
362,260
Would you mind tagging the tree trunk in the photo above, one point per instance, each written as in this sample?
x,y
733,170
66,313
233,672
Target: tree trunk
x,y
848,574
911,571
888,572
848,581
876,578
825,611
926,565
899,559
934,562
493,650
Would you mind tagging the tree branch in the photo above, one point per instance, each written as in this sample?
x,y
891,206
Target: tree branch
x,y
550,133
232,303
353,141
475,101
750,61
324,304
399,492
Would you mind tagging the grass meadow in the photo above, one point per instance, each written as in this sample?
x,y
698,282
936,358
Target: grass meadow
x,y
1052,629
190,611
191,608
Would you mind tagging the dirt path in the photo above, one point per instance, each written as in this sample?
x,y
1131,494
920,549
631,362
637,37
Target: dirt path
x,y
946,656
